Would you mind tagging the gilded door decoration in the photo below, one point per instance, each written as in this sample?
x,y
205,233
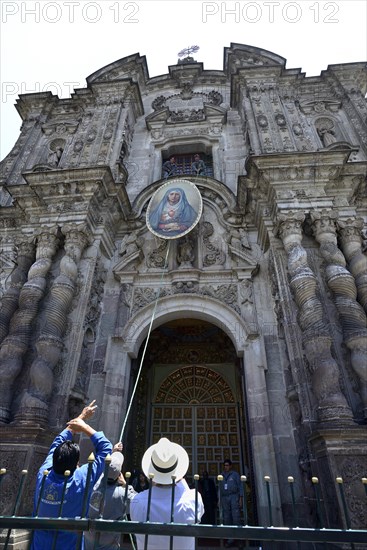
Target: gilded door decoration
x,y
196,408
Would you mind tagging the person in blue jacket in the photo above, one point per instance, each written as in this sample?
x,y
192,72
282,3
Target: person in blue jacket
x,y
231,493
64,455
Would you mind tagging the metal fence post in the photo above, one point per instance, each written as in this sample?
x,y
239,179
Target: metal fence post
x,y
339,481
244,500
66,474
151,477
267,483
102,487
220,482
295,515
17,503
91,459
172,509
45,474
315,481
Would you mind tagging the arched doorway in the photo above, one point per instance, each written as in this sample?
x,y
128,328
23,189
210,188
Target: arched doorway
x,y
191,391
196,408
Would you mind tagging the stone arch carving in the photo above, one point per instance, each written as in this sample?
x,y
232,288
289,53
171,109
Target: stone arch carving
x,y
180,306
194,384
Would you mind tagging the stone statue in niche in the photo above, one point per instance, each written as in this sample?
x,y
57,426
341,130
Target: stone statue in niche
x,y
131,251
130,244
326,132
185,254
247,306
122,153
55,154
327,136
239,239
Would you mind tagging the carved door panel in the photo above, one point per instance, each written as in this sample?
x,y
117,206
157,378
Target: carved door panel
x,y
217,437
195,407
209,433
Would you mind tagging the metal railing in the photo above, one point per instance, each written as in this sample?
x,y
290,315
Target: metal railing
x,y
246,533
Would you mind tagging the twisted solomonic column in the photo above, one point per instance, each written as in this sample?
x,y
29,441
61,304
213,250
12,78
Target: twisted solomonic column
x,y
341,282
35,401
15,345
9,301
351,245
331,403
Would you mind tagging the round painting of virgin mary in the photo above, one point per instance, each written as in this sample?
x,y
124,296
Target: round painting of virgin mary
x,y
174,209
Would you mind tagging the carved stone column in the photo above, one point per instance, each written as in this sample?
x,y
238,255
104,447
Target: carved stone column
x,y
35,402
9,301
341,282
332,405
351,245
16,343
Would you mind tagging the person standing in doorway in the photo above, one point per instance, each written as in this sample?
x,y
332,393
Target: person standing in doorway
x,y
231,493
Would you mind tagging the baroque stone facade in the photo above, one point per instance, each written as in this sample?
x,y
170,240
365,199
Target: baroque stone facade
x,y
277,262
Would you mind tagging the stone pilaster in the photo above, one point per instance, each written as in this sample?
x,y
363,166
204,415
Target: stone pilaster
x,y
331,403
351,245
342,453
35,402
10,299
15,345
341,283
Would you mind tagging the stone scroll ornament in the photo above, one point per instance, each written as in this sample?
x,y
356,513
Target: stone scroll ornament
x,y
174,209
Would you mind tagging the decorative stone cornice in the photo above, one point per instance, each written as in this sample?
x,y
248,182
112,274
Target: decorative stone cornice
x,y
319,106
74,188
59,127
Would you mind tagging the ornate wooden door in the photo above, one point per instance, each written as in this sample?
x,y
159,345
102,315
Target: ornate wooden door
x,y
195,407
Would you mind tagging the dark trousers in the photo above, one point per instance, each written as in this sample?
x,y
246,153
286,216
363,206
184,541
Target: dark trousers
x,y
231,510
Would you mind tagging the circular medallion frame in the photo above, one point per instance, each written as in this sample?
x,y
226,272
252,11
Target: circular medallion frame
x,y
174,209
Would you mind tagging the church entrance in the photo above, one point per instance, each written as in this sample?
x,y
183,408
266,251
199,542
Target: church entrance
x,y
191,391
195,407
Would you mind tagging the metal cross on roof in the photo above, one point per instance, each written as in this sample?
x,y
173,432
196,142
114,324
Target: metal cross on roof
x,y
188,51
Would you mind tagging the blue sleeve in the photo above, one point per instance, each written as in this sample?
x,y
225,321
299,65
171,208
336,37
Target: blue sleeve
x,y
102,447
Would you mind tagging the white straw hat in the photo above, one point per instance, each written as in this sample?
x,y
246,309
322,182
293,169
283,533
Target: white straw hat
x,y
165,459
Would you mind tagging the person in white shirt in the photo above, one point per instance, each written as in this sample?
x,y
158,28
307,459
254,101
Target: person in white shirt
x,y
166,459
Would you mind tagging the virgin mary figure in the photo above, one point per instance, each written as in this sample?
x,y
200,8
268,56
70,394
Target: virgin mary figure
x,y
174,214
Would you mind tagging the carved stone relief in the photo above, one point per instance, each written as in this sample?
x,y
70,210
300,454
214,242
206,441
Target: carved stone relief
x,y
212,255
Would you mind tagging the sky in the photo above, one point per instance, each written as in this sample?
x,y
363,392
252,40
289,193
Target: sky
x,y
53,45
